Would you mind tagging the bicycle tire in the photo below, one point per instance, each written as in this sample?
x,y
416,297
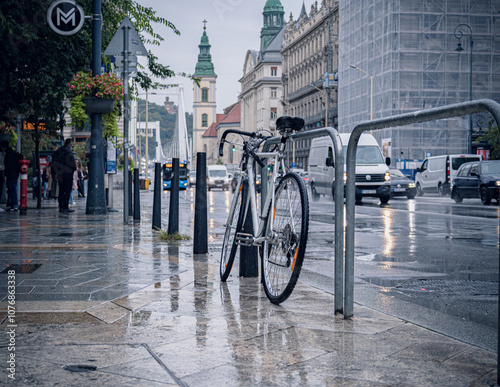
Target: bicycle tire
x,y
234,225
282,257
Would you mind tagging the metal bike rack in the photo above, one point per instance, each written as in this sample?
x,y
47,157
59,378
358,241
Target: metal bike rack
x,y
460,109
339,201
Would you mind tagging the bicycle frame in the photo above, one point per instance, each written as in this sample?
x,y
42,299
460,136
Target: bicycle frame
x,y
278,156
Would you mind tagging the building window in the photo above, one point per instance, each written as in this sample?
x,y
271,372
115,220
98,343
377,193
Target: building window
x,y
204,95
204,120
274,92
274,113
274,71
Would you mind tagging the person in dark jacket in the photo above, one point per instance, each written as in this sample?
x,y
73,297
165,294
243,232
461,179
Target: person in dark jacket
x,y
11,174
65,175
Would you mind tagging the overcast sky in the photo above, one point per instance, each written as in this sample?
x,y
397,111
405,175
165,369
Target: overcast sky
x,y
233,28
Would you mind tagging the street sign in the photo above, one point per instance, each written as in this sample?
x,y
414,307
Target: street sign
x,y
65,17
115,47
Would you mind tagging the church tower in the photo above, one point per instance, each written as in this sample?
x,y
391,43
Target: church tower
x,y
204,101
273,22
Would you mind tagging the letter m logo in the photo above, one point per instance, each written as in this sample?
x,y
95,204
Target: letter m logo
x,y
66,17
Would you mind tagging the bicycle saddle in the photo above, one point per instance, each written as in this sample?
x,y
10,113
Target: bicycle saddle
x,y
290,123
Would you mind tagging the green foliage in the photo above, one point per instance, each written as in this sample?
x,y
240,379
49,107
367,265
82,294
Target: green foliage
x,y
219,161
492,137
77,112
36,63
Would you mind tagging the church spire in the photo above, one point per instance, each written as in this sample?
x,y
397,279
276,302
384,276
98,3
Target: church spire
x,y
204,65
273,22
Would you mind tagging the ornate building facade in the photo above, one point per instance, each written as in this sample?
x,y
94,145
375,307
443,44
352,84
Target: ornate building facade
x,y
261,88
204,101
309,53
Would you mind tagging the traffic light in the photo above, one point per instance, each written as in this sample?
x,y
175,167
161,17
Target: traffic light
x,y
234,148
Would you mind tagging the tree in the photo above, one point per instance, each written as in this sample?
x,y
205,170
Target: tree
x,y
36,63
491,137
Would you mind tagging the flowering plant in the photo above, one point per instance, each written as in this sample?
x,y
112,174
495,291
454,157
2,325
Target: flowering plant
x,y
105,86
6,128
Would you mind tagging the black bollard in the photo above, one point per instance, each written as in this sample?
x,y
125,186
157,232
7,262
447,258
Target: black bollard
x,y
157,198
130,213
249,256
200,239
173,213
137,200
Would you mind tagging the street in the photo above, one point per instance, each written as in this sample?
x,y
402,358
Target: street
x,y
428,260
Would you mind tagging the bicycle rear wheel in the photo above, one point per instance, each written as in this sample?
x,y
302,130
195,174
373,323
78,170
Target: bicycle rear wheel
x,y
283,253
233,226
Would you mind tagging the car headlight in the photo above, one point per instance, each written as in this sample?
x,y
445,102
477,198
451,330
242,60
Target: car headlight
x,y
497,183
345,177
211,180
411,185
387,176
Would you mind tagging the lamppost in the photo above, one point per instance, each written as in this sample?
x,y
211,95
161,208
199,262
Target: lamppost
x,y
326,97
459,34
371,89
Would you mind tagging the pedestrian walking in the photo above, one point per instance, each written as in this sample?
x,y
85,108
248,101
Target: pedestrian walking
x,y
45,184
11,172
79,167
64,165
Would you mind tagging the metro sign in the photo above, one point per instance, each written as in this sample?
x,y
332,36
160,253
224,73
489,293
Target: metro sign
x,y
65,17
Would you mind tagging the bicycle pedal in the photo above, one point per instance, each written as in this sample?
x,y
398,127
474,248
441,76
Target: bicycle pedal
x,y
244,239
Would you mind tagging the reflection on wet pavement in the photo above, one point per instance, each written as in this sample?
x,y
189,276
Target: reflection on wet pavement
x,y
113,300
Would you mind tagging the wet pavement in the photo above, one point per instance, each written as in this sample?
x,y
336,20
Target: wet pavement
x,y
98,302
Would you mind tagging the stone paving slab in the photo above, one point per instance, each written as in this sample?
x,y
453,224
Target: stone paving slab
x,y
139,312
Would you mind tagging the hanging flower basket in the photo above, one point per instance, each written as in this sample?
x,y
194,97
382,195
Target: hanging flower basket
x,y
96,95
94,105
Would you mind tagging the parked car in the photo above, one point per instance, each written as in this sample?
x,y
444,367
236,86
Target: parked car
x,y
192,178
477,180
402,185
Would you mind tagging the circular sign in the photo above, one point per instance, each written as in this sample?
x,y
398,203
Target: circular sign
x,y
65,17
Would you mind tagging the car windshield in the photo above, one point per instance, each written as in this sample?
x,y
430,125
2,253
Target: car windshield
x,y
397,172
217,173
367,154
491,168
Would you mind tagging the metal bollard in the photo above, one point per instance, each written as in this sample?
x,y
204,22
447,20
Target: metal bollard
x,y
130,213
157,198
200,239
173,213
137,200
249,256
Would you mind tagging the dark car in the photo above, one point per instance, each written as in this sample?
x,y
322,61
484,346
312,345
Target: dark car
x,y
234,181
480,179
402,185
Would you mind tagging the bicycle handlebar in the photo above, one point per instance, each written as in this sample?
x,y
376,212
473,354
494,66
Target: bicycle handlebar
x,y
235,131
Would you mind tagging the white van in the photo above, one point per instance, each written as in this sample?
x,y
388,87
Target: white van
x,y
373,177
436,173
217,177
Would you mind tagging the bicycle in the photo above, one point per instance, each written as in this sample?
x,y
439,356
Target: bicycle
x,y
281,230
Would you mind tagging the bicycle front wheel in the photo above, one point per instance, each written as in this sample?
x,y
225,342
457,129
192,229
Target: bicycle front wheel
x,y
233,226
283,251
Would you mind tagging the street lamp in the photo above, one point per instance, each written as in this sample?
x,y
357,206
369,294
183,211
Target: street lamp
x,y
459,34
371,89
326,96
